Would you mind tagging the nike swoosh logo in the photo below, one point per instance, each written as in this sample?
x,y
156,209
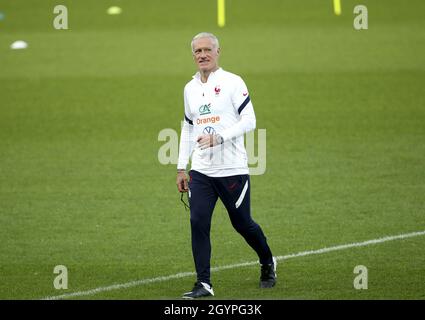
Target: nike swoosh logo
x,y
244,94
231,187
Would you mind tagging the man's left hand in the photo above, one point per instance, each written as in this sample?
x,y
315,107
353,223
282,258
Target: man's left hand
x,y
207,141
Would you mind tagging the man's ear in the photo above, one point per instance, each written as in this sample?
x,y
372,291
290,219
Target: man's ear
x,y
218,51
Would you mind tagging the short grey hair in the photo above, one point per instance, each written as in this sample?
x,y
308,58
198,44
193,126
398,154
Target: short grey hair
x,y
206,35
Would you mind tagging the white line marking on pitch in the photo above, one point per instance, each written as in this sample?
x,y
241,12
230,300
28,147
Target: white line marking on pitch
x,y
232,266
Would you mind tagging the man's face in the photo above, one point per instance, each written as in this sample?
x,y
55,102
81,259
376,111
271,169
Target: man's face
x,y
205,54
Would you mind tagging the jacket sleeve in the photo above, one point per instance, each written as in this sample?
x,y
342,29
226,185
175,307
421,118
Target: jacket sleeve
x,y
243,107
186,136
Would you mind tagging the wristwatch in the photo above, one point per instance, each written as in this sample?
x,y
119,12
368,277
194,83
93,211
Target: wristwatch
x,y
219,139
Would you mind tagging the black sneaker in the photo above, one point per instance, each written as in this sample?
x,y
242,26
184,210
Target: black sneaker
x,y
201,289
268,275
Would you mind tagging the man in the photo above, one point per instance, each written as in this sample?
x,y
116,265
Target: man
x,y
217,113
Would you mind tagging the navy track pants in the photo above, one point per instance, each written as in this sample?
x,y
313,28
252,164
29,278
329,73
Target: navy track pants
x,y
234,192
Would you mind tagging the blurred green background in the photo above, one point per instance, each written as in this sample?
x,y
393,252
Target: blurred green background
x,y
80,113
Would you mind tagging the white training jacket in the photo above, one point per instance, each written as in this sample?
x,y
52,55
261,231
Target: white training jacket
x,y
220,106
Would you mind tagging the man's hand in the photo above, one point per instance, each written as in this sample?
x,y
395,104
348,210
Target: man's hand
x,y
181,181
208,141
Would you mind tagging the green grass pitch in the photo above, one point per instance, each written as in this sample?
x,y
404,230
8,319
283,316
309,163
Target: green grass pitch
x,y
80,113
